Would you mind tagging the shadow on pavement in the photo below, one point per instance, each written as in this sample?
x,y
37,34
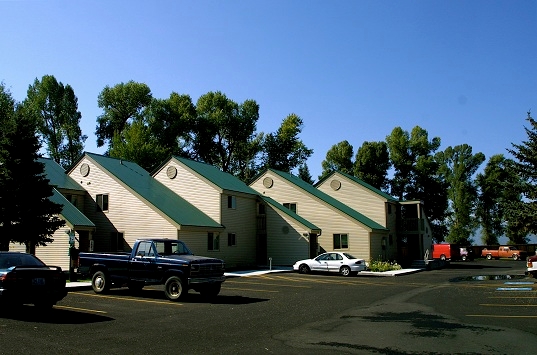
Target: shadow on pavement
x,y
56,315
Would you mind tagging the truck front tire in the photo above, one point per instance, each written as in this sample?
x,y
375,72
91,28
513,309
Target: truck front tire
x,y
100,282
173,288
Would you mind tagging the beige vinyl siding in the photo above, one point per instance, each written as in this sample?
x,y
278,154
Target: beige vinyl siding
x,y
55,253
241,221
357,197
126,212
285,248
192,188
327,218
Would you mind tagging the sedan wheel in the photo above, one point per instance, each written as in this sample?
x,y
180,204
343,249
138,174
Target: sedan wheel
x,y
345,271
303,269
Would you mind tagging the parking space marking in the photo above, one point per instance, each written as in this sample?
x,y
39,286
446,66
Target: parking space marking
x,y
80,309
519,283
514,289
264,283
498,316
507,305
172,303
249,289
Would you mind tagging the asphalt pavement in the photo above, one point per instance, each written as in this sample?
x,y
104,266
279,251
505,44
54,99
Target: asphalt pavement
x,y
246,273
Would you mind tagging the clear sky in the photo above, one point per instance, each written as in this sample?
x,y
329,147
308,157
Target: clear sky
x,y
466,71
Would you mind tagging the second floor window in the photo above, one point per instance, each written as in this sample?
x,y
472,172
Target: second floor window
x,y
231,202
231,239
102,202
291,206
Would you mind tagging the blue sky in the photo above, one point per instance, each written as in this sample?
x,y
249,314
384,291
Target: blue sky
x,y
466,71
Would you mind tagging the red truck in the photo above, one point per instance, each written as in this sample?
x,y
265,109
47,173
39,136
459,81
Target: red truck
x,y
504,252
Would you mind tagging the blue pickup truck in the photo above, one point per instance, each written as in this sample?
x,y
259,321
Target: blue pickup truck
x,y
166,262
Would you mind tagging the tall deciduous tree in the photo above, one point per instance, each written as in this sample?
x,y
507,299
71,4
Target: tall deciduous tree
x,y
523,213
224,132
497,190
338,157
417,176
372,163
137,144
55,108
27,215
458,165
121,104
171,122
284,150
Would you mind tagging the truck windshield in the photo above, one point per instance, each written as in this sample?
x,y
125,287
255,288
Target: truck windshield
x,y
169,247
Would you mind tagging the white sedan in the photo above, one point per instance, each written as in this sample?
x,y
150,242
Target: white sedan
x,y
343,263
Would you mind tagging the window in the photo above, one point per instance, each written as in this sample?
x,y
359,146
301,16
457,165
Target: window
x,y
231,240
102,202
213,242
231,202
116,241
145,249
341,241
291,206
261,209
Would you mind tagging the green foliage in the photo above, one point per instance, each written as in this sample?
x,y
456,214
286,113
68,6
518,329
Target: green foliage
x,y
497,186
372,163
382,266
417,175
458,165
121,103
522,213
26,214
171,122
304,173
137,144
283,150
55,109
338,158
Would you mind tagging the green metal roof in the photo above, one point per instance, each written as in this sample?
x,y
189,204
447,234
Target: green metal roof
x,y
70,213
155,193
360,182
292,214
329,200
223,180
57,176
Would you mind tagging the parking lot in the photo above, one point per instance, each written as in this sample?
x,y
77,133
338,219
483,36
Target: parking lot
x,y
472,307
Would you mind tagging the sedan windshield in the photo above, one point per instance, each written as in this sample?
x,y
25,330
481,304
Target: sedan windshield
x,y
349,256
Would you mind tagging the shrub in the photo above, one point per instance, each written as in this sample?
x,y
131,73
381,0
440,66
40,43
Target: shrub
x,y
381,266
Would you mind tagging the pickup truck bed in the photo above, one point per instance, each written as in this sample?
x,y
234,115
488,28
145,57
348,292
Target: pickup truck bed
x,y
154,261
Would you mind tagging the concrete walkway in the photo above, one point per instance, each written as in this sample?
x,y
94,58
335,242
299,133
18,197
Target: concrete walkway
x,y
246,273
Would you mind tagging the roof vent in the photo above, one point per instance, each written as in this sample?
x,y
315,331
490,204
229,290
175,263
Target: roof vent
x,y
268,182
335,185
171,172
84,169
